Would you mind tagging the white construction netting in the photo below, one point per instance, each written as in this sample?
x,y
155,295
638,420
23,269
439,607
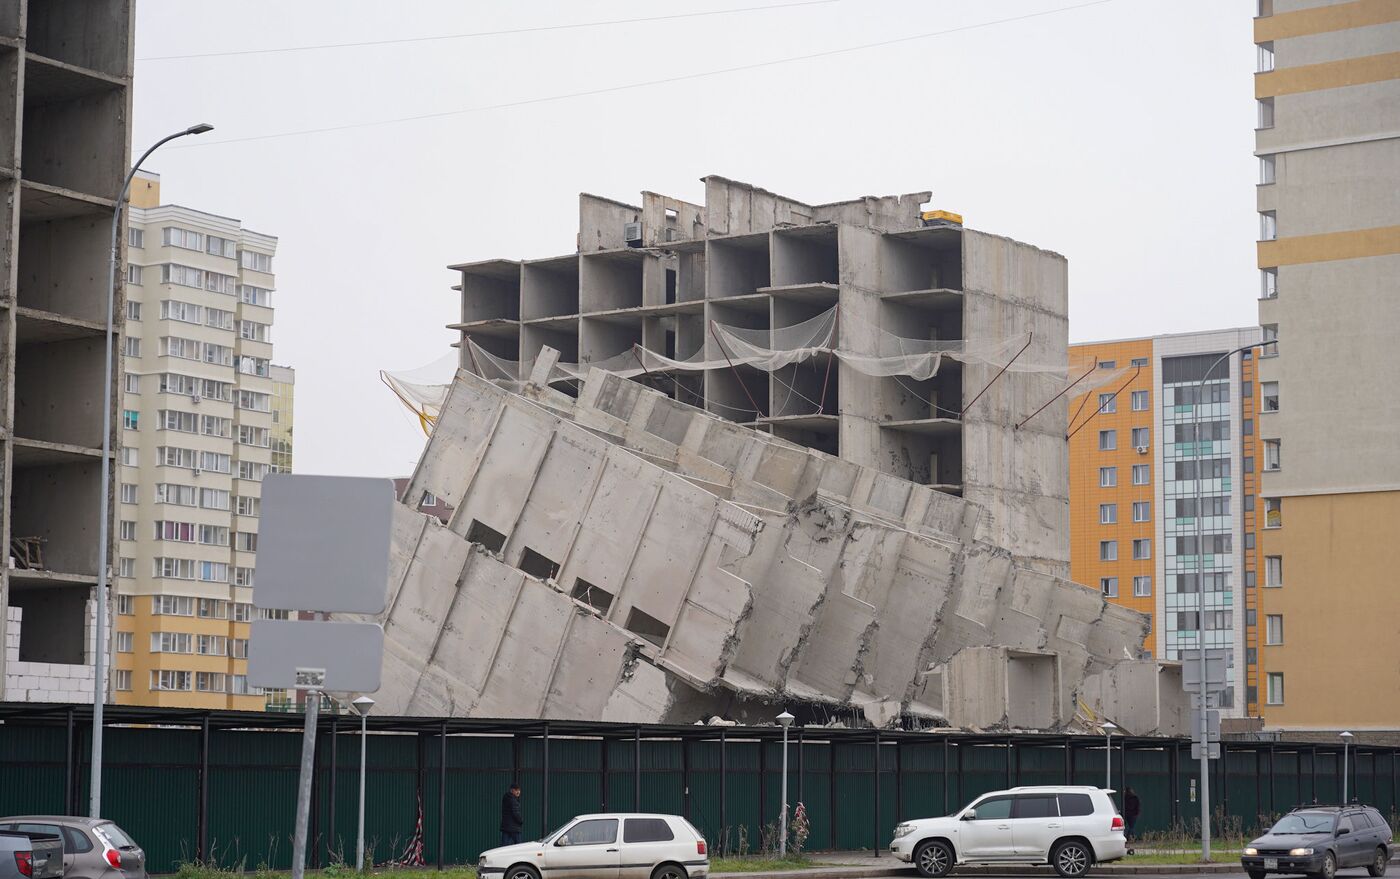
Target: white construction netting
x,y
866,348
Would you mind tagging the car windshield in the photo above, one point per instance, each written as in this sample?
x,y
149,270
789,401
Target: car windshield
x,y
1305,822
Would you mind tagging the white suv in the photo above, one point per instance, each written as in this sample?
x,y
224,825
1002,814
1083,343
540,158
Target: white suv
x,y
1069,828
614,846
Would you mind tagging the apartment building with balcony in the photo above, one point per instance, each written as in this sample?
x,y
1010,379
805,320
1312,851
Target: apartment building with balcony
x,y
198,430
1134,462
1328,144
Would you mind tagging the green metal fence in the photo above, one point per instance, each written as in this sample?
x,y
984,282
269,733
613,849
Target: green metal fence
x,y
221,787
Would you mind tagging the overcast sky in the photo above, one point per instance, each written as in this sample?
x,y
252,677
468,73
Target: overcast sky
x,y
1118,134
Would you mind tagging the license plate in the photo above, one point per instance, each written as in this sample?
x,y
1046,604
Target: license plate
x,y
1271,863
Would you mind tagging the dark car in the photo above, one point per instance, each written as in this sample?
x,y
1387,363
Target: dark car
x,y
1319,840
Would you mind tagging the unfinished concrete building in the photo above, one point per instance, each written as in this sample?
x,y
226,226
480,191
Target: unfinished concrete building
x,y
65,108
659,277
621,556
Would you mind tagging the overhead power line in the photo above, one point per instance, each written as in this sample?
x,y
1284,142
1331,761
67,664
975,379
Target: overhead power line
x,y
499,33
645,83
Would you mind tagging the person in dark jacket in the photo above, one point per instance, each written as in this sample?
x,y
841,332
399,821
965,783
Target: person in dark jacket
x,y
1132,807
512,816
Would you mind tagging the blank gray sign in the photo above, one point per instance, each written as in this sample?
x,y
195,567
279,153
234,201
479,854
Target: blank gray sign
x,y
323,543
350,654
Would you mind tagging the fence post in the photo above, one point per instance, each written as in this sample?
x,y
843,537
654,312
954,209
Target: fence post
x,y
544,786
1174,773
877,794
202,818
69,795
637,768
898,782
605,775
685,778
723,796
945,775
335,770
442,797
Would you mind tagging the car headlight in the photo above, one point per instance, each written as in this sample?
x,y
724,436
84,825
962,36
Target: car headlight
x,y
1300,852
1251,851
903,830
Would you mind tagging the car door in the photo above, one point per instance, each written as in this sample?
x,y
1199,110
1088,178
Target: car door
x,y
81,855
646,842
987,835
1349,842
1035,825
587,850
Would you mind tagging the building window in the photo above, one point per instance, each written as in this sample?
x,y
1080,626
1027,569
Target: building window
x,y
217,246
188,239
131,346
1273,628
135,237
172,605
1275,693
1268,283
1269,392
1108,440
1268,226
1273,571
1272,461
1109,586
213,609
1263,8
127,530
1142,587
124,642
1140,401
1108,478
1266,57
1247,427
1142,548
1266,113
121,679
1273,512
133,275
212,645
1142,474
1142,511
210,681
1108,550
259,262
1268,168
130,419
1108,364
126,605
1142,437
1269,335
1249,463
128,493
170,680
131,383
1108,402
131,456
133,310
1138,362
1108,514
172,642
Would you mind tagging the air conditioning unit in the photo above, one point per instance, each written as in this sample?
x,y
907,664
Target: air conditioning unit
x,y
632,234
195,470
195,398
1142,450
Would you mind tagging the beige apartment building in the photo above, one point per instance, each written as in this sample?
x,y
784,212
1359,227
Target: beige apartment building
x,y
198,404
1328,144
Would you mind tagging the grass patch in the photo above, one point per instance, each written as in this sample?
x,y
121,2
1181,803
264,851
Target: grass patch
x,y
761,864
1182,857
200,871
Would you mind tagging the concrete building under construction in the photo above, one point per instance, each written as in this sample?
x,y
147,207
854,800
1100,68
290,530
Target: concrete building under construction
x,y
759,451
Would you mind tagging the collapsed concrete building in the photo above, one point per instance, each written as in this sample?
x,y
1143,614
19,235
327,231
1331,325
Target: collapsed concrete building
x,y
620,551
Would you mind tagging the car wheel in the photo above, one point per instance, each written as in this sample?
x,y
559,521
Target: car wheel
x,y
1071,858
522,871
933,858
669,871
1329,867
1378,863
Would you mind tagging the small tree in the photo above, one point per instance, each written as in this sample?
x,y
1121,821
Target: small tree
x,y
798,830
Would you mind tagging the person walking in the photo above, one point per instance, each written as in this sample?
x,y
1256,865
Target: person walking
x,y
512,816
1132,807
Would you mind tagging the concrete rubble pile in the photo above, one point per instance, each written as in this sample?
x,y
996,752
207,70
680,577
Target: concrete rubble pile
x,y
620,556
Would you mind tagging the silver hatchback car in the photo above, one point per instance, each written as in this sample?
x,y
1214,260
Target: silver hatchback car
x,y
611,846
93,848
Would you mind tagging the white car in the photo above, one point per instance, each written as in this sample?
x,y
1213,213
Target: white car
x,y
1069,828
612,846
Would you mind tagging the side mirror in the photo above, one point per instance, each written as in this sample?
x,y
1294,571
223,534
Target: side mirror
x,y
969,815
563,840
1344,831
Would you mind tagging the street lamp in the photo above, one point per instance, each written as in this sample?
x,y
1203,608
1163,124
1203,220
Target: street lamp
x,y
99,670
1201,599
362,706
1108,728
785,720
1346,740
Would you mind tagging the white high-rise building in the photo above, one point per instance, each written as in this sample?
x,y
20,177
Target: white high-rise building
x,y
197,441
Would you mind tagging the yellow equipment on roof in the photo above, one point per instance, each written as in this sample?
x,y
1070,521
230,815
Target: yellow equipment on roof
x,y
931,218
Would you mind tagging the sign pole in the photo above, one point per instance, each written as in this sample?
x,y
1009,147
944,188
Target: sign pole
x,y
308,756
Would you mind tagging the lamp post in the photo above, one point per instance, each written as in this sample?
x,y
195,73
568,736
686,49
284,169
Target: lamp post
x,y
362,706
1346,740
1204,731
99,669
1108,728
785,719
